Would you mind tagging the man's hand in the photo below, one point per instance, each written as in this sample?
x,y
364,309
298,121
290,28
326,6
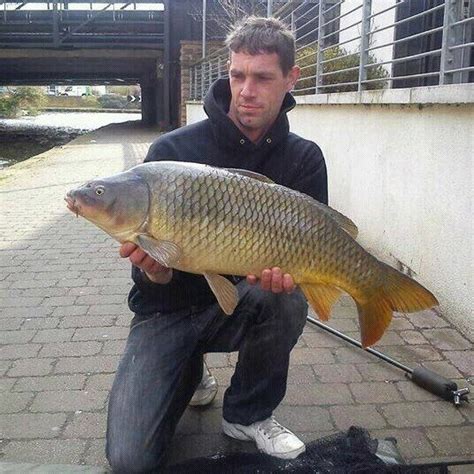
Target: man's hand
x,y
273,280
156,272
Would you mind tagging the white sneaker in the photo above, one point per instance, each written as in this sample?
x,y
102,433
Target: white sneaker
x,y
270,437
206,391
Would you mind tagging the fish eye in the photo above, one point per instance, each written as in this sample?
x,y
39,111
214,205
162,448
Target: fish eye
x,y
99,190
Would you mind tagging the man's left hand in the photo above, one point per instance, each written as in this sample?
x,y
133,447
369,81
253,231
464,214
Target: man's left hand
x,y
273,280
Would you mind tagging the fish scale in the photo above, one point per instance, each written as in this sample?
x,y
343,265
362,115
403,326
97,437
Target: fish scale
x,y
213,221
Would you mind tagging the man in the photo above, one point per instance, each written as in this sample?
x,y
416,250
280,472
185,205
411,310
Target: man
x,y
177,318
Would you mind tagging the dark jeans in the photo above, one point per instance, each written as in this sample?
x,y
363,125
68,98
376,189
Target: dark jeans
x,y
162,366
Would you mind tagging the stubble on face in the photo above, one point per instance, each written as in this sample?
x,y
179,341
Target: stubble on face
x,y
258,87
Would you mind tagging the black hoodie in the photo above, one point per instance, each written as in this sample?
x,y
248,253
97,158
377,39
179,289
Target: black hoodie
x,y
281,155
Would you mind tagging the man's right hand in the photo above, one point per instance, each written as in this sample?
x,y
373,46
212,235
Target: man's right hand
x,y
155,272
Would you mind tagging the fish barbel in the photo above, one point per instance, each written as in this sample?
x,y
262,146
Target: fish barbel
x,y
215,221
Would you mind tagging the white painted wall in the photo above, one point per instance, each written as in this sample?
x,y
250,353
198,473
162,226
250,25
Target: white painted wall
x,y
404,174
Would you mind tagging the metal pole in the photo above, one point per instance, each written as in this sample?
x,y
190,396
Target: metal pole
x,y
446,56
320,46
167,60
364,43
269,8
55,24
204,14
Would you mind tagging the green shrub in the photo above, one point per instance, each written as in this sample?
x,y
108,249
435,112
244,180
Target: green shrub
x,y
113,101
23,99
306,58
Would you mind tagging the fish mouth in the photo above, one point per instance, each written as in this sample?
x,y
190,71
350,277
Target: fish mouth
x,y
71,205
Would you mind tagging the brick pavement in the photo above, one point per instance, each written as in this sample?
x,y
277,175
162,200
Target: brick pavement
x,y
64,321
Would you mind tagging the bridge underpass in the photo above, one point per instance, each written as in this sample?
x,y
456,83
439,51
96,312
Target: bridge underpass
x,y
99,43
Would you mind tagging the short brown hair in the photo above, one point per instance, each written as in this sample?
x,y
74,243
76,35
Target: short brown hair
x,y
257,35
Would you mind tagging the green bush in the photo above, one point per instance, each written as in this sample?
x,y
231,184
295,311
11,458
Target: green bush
x,y
23,99
306,58
113,101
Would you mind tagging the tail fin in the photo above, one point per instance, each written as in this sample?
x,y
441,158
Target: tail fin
x,y
398,293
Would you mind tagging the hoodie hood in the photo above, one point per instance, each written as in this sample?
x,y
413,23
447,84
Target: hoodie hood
x,y
228,135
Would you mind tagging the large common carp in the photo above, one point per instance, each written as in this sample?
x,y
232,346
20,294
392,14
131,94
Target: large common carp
x,y
215,221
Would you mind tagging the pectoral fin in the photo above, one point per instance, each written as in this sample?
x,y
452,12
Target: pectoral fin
x,y
163,251
321,298
224,291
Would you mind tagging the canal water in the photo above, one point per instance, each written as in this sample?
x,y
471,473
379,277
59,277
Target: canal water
x,y
25,137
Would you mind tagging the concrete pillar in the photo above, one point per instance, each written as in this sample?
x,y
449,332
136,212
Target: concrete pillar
x,y
152,101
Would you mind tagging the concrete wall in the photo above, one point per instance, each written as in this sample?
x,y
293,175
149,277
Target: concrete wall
x,y
404,173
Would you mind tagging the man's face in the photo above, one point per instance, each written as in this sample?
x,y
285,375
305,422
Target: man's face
x,y
258,87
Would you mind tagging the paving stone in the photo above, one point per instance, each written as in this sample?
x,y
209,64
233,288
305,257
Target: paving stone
x,y
6,384
344,325
301,374
99,382
73,349
10,324
352,355
31,367
317,394
100,333
321,339
402,415
16,337
452,440
413,393
79,365
17,351
53,335
462,360
399,323
27,284
444,368
27,312
390,338
86,425
101,299
125,281
124,320
72,310
380,371
409,353
59,301
337,373
308,356
223,375
69,400
40,323
14,402
5,365
51,382
48,451
84,290
350,415
411,442
24,301
190,422
413,337
37,425
87,321
72,283
95,455
114,347
447,339
301,419
427,319
375,392
102,309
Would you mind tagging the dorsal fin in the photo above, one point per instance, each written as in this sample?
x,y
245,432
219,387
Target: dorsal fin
x,y
343,221
251,174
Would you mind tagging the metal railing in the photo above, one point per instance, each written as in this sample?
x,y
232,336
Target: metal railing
x,y
353,46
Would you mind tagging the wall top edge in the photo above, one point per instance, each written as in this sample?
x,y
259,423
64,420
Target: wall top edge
x,y
446,94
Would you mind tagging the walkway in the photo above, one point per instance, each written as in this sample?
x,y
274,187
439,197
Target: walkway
x,y
65,319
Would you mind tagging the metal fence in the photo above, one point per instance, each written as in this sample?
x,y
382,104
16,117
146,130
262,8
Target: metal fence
x,y
355,45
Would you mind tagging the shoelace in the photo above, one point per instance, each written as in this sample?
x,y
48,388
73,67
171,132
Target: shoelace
x,y
272,428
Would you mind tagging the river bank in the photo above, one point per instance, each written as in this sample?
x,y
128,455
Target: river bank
x,y
25,137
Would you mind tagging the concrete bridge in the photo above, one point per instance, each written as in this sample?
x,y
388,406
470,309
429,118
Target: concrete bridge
x,y
77,43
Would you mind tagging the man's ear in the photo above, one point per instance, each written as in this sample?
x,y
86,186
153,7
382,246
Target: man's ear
x,y
293,76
